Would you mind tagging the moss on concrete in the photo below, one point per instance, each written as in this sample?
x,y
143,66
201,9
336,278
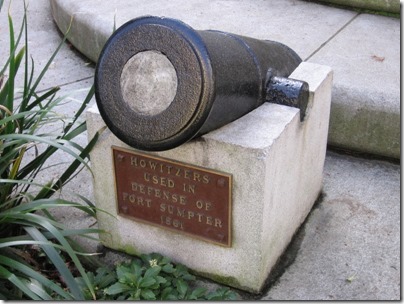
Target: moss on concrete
x,y
225,280
367,130
130,250
385,6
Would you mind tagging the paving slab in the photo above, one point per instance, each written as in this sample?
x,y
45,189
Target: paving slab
x,y
365,57
362,49
350,244
43,40
291,22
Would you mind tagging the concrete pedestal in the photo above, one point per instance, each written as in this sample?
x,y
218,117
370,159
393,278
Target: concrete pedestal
x,y
276,162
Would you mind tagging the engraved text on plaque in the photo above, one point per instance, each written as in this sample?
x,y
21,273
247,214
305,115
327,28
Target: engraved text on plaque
x,y
177,196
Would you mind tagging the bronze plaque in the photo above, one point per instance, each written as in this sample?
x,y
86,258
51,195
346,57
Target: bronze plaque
x,y
173,195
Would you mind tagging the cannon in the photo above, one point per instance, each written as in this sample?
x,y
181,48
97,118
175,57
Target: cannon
x,y
160,83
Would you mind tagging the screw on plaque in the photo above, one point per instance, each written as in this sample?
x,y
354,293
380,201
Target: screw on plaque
x,y
221,182
120,157
124,209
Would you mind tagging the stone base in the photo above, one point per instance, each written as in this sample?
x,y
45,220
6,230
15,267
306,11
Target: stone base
x,y
276,162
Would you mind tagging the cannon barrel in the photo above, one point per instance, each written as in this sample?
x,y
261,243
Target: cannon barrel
x,y
160,83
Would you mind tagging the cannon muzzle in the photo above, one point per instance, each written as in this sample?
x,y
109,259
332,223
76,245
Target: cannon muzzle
x,y
160,83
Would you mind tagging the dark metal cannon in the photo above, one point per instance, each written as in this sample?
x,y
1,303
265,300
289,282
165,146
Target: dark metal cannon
x,y
160,83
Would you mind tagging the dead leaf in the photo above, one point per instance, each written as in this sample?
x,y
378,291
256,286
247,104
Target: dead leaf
x,y
377,58
350,279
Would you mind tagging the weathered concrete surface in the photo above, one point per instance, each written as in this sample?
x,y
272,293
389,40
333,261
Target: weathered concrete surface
x,y
366,97
361,49
373,251
389,6
350,245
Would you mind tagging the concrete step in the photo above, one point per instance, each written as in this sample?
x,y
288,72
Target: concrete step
x,y
362,49
380,6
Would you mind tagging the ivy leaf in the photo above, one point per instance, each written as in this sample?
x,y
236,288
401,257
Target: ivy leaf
x,y
230,295
134,296
182,287
164,261
197,293
166,293
129,278
182,271
147,294
117,288
222,294
161,280
104,277
172,297
168,268
214,296
136,269
152,272
121,271
147,282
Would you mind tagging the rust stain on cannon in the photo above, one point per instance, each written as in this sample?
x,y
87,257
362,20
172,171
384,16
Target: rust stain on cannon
x,y
183,198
